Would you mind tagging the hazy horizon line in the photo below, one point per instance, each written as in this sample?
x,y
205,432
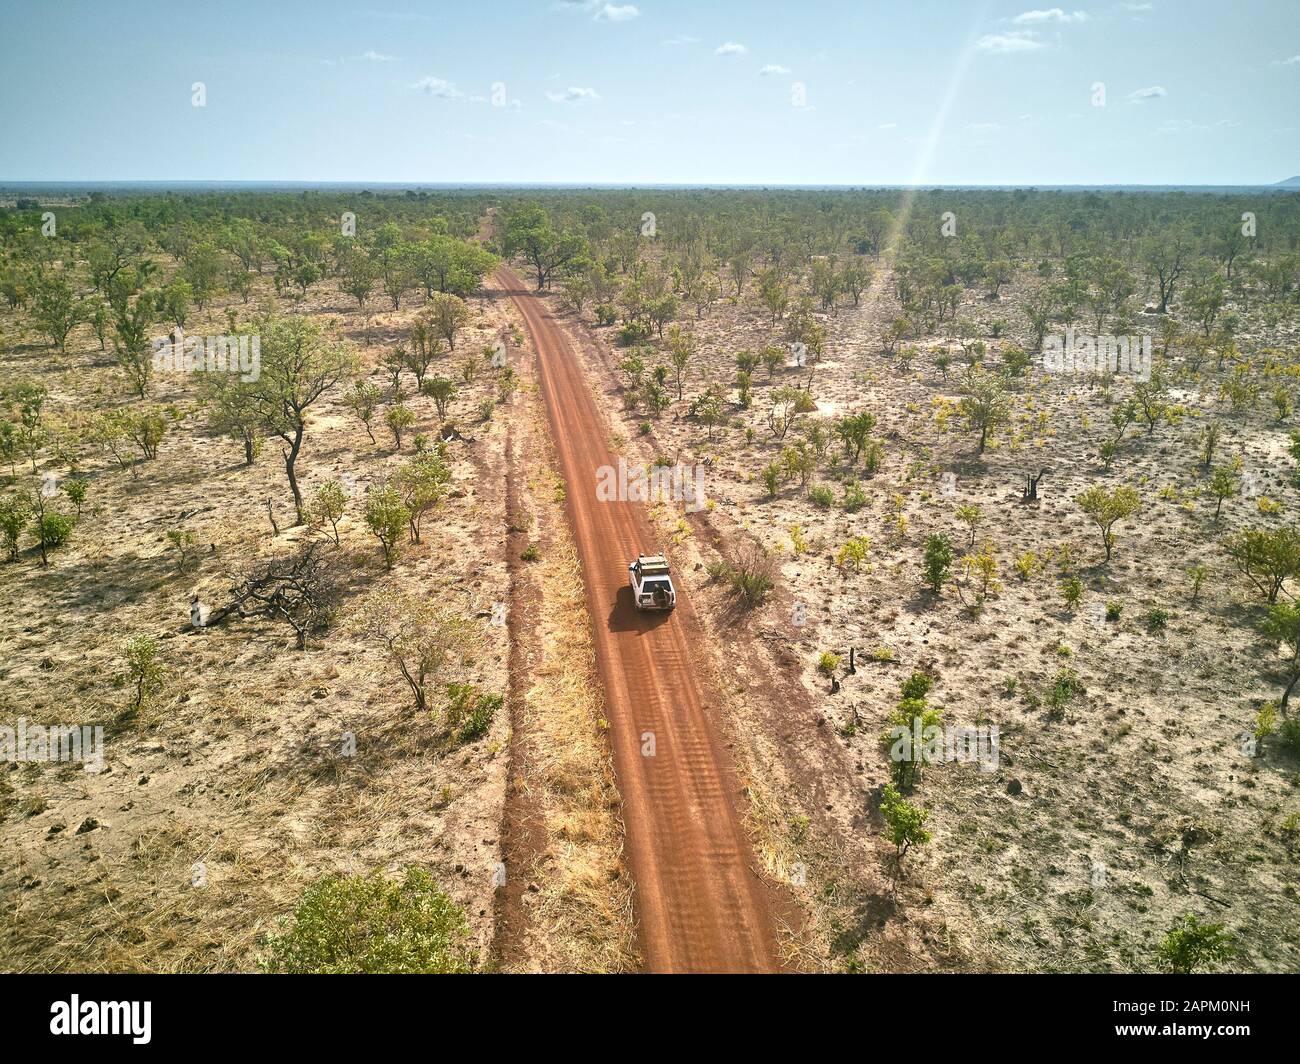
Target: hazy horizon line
x,y
1285,184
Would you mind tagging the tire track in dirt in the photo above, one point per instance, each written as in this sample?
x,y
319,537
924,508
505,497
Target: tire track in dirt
x,y
700,903
523,836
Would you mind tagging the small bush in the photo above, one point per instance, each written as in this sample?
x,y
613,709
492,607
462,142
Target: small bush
x,y
828,662
1190,945
54,529
370,924
750,576
917,686
14,514
905,821
854,552
1066,686
1028,564
1289,733
633,332
144,672
1072,592
470,711
854,497
1155,620
937,561
822,496
532,553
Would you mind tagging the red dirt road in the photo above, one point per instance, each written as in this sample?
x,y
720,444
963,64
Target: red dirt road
x,y
700,904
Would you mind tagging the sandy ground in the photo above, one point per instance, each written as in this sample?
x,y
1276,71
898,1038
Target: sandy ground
x,y
1071,855
233,791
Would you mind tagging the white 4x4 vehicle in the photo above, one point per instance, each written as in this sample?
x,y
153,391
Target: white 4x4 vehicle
x,y
652,587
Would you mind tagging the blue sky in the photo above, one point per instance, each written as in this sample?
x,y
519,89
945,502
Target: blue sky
x,y
885,92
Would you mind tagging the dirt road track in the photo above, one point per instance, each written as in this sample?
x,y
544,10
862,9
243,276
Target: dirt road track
x,y
700,904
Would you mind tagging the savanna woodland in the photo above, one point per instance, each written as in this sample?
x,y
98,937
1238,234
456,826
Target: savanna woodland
x,y
313,578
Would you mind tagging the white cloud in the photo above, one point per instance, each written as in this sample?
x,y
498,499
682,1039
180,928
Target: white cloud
x,y
1142,95
573,94
730,48
1008,43
773,69
365,57
1293,61
1051,14
887,125
616,13
680,39
439,87
600,10
1186,125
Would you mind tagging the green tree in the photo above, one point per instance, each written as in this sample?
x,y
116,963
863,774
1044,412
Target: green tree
x,y
423,637
938,559
1267,557
1223,485
904,822
329,502
1106,508
387,518
144,672
363,401
422,484
528,232
55,308
1281,627
399,417
442,390
233,410
15,511
298,366
447,315
131,322
984,404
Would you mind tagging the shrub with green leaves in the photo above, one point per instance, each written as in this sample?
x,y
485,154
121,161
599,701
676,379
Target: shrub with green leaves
x,y
911,716
904,822
399,417
750,575
1107,508
144,672
1191,945
854,497
1155,620
54,529
937,562
1066,686
370,924
1072,592
387,519
854,552
328,503
75,490
821,496
470,711
14,514
771,478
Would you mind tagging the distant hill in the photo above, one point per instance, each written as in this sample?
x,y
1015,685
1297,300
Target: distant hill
x,y
1290,182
